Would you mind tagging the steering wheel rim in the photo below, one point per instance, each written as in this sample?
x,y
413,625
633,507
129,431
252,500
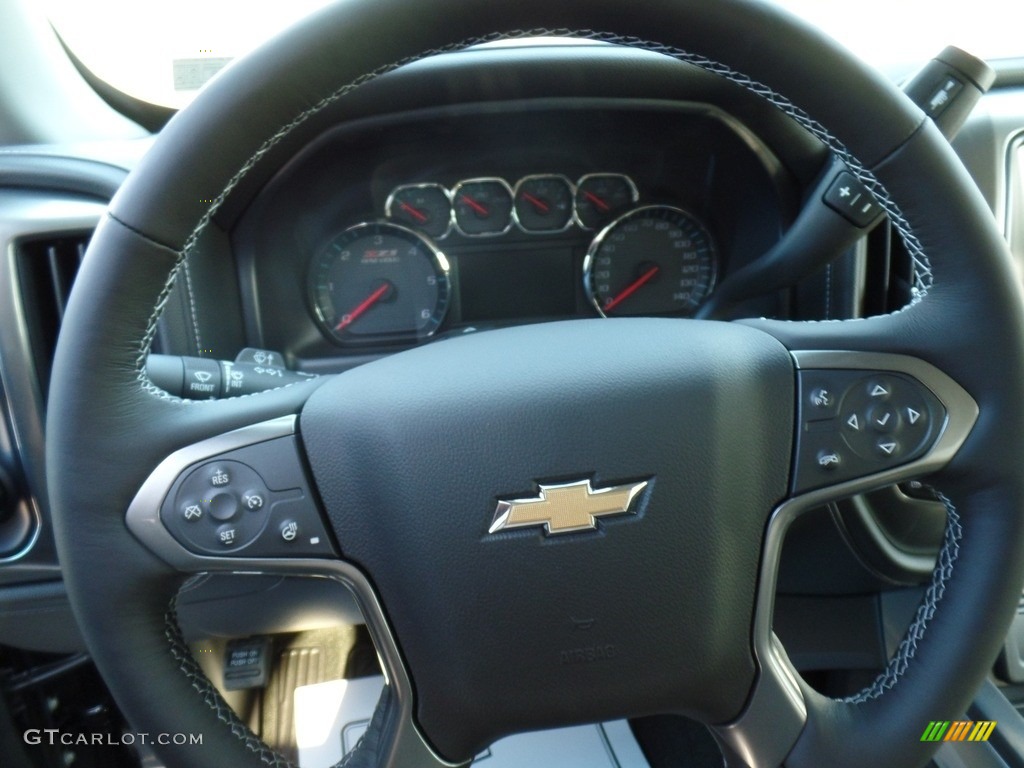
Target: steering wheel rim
x,y
101,397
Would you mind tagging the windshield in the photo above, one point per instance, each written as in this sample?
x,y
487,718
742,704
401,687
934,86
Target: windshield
x,y
163,52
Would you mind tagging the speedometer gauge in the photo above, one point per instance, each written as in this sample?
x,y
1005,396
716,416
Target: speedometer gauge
x,y
655,260
378,283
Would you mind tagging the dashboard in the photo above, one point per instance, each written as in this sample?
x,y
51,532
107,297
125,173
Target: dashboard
x,y
390,232
449,212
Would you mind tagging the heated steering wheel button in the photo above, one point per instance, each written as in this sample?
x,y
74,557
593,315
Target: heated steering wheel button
x,y
294,528
223,506
289,530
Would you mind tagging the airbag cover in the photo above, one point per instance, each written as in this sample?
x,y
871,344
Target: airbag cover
x,y
515,630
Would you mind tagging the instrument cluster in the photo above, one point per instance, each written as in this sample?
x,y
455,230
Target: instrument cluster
x,y
382,235
389,280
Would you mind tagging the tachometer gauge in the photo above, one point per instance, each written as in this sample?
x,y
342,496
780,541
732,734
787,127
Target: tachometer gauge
x,y
423,207
601,197
379,282
656,260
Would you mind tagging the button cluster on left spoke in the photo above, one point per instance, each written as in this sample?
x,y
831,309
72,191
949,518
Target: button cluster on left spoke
x,y
211,500
224,506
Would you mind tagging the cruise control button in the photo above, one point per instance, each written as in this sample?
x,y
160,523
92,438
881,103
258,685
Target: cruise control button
x,y
219,478
191,511
253,501
227,535
242,507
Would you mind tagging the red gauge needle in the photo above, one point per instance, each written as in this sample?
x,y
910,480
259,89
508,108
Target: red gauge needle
x,y
480,210
596,200
365,304
630,289
536,202
415,213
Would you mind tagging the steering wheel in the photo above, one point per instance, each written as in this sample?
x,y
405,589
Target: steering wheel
x,y
635,475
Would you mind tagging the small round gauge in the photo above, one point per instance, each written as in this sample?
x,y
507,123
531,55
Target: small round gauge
x,y
423,207
543,203
600,197
482,206
379,282
655,260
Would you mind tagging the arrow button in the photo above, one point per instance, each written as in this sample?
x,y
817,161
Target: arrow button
x,y
853,422
888,447
913,416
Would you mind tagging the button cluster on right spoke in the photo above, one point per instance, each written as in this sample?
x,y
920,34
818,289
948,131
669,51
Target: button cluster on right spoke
x,y
857,423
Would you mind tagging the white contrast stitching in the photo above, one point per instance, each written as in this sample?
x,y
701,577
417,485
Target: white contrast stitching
x,y
923,279
201,683
828,291
192,305
211,696
933,596
922,267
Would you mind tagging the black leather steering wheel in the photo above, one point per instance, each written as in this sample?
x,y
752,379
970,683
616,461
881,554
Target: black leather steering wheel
x,y
472,623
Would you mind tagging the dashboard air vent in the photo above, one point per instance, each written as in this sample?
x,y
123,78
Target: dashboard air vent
x,y
46,270
890,272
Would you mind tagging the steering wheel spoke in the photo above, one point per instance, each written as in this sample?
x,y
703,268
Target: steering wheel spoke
x,y
242,502
864,420
242,494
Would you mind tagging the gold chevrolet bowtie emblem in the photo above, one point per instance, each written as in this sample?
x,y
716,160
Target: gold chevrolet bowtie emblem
x,y
566,508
